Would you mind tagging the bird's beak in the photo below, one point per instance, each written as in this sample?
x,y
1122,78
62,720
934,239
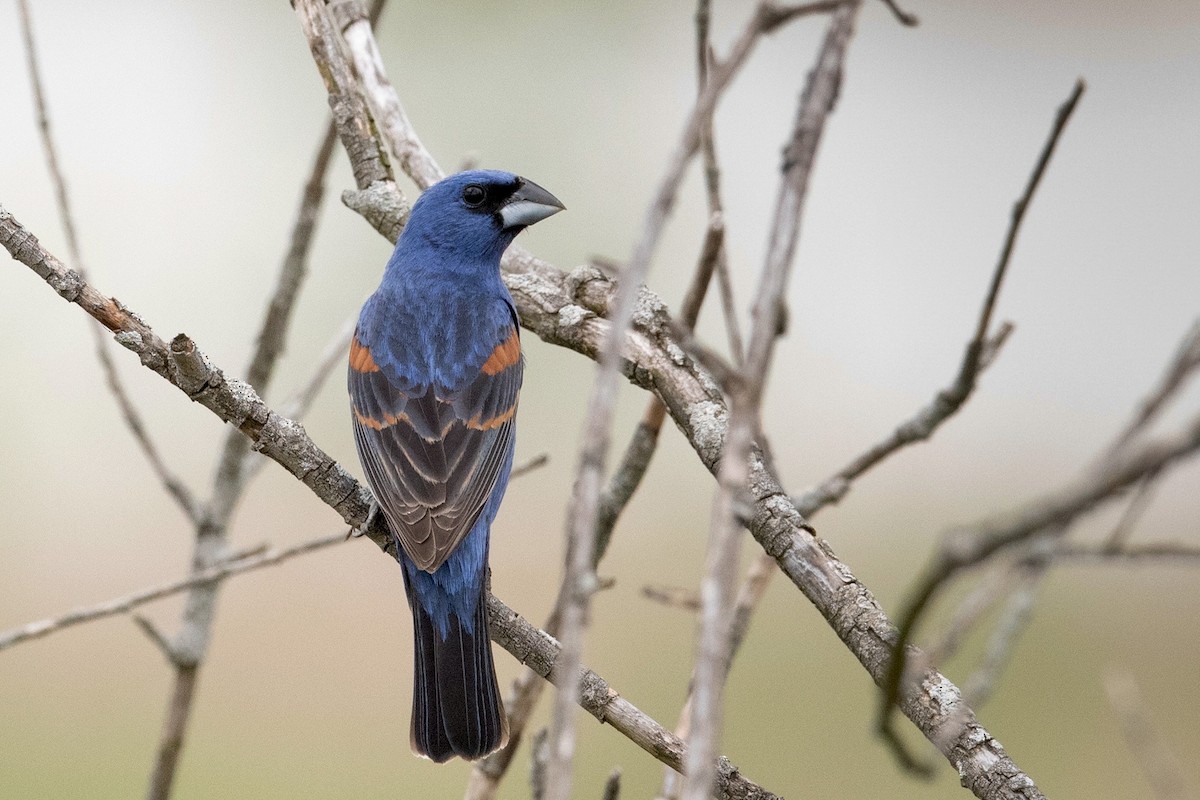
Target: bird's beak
x,y
530,203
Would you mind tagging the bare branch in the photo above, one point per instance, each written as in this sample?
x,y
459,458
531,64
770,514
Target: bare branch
x,y
1014,620
721,564
962,388
579,575
673,597
628,476
568,310
133,418
1176,375
612,786
1018,213
902,16
1153,754
1171,552
532,465
156,637
125,604
414,159
543,655
350,116
174,730
971,546
539,754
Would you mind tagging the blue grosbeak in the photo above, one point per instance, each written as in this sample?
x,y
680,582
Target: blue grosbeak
x,y
435,370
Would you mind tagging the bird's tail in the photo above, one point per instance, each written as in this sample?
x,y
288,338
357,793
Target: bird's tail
x,y
457,710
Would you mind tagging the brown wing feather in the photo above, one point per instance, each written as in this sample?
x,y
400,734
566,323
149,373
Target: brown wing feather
x,y
433,460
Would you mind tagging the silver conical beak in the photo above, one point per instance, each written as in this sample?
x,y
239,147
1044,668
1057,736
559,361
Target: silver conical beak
x,y
529,204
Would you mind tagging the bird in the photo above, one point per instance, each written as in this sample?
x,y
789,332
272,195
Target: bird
x,y
434,376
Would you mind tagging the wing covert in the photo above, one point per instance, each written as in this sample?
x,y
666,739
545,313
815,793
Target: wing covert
x,y
433,454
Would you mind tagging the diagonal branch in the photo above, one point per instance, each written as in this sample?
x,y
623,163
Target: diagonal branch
x,y
1161,766
125,604
721,564
569,310
133,418
185,367
976,351
543,655
579,577
356,29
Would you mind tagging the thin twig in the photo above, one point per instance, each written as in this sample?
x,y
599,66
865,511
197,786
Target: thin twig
x,y
721,564
1014,619
170,744
902,16
579,577
539,754
544,655
532,465
996,584
971,546
156,636
547,301
750,594
133,418
673,597
125,604
1178,371
612,786
970,367
714,255
1137,506
1170,552
1150,749
191,643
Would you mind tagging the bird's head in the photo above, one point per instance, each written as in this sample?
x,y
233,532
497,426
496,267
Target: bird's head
x,y
471,217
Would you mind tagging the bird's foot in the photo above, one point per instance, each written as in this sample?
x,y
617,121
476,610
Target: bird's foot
x,y
366,526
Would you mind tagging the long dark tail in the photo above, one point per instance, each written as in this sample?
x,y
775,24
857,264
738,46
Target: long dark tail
x,y
457,710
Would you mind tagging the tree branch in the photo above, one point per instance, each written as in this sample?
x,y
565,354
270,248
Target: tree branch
x,y
579,577
1161,766
970,367
543,655
721,564
381,97
174,486
569,310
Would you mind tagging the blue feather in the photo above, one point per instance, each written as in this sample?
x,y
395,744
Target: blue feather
x,y
435,371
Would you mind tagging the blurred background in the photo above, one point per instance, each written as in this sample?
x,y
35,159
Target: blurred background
x,y
186,129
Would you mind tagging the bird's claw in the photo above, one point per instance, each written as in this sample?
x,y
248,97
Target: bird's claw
x,y
366,526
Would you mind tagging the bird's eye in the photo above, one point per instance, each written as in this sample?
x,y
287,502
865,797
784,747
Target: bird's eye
x,y
474,195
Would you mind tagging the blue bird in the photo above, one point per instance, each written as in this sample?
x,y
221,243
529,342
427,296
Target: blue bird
x,y
435,371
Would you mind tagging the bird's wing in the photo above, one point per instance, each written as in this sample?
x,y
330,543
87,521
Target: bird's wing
x,y
432,456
